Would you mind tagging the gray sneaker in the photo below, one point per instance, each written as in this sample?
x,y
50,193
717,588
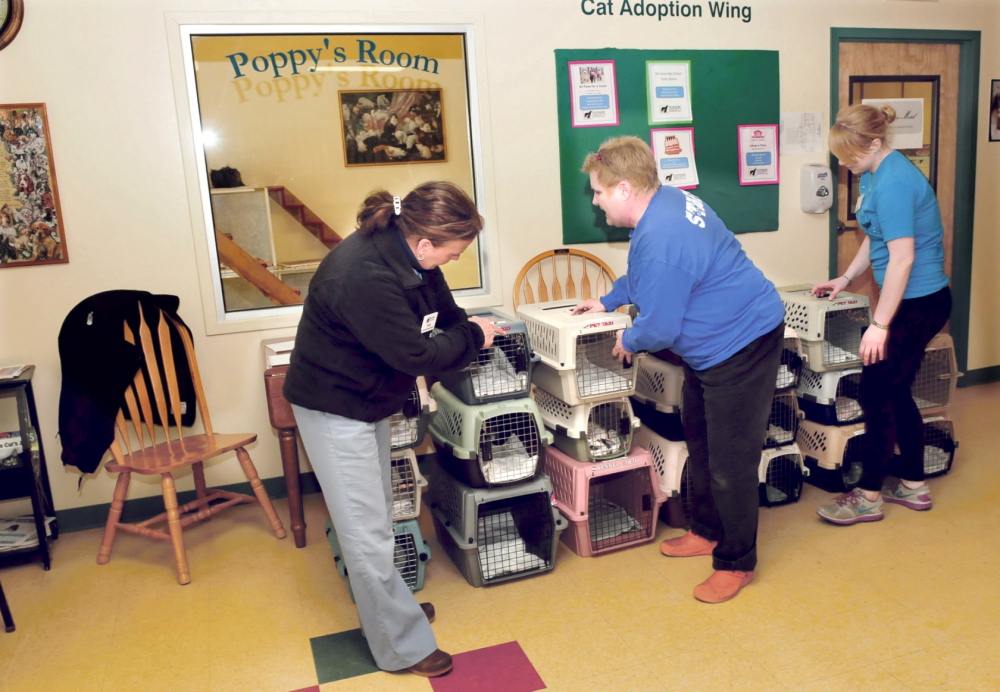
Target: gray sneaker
x,y
852,508
919,499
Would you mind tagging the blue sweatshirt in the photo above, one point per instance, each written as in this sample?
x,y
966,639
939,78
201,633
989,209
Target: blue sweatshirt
x,y
696,291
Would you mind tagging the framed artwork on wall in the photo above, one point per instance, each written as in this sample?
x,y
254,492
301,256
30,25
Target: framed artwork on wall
x,y
392,126
995,110
31,229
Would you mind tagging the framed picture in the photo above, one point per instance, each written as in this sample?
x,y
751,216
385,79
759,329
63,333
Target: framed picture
x,y
392,126
31,229
995,111
758,152
673,150
593,93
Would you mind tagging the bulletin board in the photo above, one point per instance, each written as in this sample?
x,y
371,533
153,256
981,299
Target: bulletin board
x,y
728,88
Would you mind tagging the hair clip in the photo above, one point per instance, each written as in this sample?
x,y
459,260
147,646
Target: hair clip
x,y
397,205
597,157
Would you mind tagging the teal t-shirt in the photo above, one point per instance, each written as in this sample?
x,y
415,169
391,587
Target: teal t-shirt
x,y
898,202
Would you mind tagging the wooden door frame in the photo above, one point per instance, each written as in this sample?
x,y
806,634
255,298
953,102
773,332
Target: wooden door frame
x,y
965,162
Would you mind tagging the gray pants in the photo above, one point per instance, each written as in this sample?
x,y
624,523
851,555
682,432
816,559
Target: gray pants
x,y
351,461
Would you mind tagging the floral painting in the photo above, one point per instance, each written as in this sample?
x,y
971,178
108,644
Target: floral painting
x,y
393,126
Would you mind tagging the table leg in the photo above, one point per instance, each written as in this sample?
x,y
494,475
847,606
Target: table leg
x,y
288,445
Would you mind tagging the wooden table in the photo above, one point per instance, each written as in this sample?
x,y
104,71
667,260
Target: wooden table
x,y
283,420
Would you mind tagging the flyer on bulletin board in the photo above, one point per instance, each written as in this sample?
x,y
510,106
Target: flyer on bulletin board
x,y
673,149
758,152
593,93
668,91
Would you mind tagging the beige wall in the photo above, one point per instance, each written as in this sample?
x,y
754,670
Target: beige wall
x,y
103,68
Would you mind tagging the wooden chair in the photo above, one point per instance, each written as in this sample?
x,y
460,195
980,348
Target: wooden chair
x,y
141,452
562,270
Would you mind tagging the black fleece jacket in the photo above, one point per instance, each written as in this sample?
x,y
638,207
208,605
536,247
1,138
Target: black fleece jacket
x,y
359,345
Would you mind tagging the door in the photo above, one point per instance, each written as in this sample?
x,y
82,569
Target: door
x,y
927,71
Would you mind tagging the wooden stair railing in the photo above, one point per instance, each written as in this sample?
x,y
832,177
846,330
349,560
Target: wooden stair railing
x,y
251,269
304,215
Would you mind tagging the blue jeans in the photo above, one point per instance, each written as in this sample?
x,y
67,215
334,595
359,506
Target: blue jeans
x,y
891,414
725,412
352,464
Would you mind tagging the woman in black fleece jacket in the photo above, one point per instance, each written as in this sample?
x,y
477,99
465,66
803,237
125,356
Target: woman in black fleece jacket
x,y
364,336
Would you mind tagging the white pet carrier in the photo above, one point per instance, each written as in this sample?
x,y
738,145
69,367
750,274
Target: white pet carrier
x,y
658,383
780,473
488,444
408,426
830,330
588,432
407,484
575,351
934,385
502,371
783,421
831,397
791,362
833,454
669,457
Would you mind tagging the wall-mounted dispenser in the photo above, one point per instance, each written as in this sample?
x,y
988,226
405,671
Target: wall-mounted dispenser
x,y
815,188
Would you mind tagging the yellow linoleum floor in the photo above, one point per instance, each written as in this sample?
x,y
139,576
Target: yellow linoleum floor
x,y
909,603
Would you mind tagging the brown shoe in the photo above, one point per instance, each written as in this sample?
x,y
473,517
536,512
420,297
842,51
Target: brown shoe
x,y
438,663
428,609
688,545
722,586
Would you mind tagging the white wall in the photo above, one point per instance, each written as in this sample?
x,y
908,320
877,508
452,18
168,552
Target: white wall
x,y
102,68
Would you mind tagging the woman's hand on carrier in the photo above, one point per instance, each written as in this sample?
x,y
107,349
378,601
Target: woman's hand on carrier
x,y
489,327
589,305
831,287
619,351
873,345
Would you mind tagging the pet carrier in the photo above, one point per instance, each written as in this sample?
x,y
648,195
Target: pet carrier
x,y
658,383
791,362
939,446
407,484
781,472
610,505
495,534
831,397
832,454
938,374
500,372
588,432
668,458
783,422
488,444
576,364
408,426
830,330
668,425
409,555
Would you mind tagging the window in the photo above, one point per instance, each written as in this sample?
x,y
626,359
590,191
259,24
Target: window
x,y
291,126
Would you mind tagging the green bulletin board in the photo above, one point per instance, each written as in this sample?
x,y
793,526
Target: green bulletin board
x,y
728,88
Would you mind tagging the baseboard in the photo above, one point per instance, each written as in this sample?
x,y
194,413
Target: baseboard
x,y
94,516
980,376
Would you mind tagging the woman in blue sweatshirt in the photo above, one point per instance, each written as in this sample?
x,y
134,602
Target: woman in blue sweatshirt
x,y
700,296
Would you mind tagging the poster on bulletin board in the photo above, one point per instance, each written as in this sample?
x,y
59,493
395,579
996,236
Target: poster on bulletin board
x,y
595,95
728,88
758,148
673,151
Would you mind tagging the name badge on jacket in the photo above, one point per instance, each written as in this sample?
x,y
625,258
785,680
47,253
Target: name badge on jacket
x,y
429,321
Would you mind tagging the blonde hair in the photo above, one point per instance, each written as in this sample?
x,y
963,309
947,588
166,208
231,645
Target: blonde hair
x,y
624,158
857,127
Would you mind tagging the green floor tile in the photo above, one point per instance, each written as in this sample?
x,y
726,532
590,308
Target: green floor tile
x,y
342,655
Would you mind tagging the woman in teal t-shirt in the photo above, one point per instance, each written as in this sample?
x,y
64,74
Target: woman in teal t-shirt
x,y
904,247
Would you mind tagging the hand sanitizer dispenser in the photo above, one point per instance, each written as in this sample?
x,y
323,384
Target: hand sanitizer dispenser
x,y
815,188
